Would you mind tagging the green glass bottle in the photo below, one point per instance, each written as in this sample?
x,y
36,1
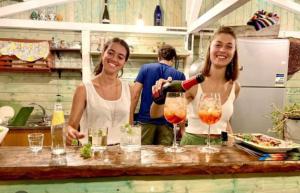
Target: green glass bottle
x,y
176,86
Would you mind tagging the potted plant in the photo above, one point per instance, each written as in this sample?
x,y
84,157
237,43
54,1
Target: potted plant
x,y
286,121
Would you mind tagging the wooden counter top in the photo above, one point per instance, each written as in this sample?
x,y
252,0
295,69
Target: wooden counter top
x,y
20,163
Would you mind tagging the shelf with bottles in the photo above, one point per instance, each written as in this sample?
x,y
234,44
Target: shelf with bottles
x,y
92,27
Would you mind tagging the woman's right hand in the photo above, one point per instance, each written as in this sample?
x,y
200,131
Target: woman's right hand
x,y
73,134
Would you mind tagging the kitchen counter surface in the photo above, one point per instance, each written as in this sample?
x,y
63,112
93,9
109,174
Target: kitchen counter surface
x,y
29,127
20,163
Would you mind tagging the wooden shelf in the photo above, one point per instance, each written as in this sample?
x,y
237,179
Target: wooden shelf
x,y
66,49
23,69
59,70
58,50
144,55
93,27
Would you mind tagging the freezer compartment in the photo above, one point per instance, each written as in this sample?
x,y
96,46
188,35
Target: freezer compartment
x,y
252,107
263,62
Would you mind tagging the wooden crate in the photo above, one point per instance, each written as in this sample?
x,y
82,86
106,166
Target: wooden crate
x,y
12,63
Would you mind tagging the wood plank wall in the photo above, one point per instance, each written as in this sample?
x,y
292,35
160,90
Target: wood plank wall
x,y
121,11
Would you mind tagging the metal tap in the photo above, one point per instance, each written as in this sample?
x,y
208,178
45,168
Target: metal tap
x,y
45,116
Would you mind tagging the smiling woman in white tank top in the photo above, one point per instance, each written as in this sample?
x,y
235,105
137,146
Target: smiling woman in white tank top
x,y
103,102
221,72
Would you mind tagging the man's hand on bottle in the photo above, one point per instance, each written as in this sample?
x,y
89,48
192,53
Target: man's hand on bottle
x,y
73,134
158,96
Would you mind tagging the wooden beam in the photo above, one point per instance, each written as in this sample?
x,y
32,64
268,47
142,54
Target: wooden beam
x,y
86,61
286,34
221,9
289,5
28,5
192,11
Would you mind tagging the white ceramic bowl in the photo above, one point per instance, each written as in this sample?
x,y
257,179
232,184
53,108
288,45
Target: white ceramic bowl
x,y
3,132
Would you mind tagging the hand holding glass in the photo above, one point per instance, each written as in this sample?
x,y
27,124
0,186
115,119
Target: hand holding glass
x,y
209,112
175,112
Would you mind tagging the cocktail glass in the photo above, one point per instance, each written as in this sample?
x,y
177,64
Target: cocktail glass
x,y
175,112
209,112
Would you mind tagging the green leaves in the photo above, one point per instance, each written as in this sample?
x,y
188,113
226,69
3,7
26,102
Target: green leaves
x,y
86,151
74,142
279,117
128,129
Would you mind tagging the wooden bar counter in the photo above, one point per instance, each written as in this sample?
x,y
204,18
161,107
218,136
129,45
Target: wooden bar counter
x,y
231,169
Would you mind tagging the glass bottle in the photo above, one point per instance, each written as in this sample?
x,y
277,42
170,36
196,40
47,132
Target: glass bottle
x,y
58,130
176,86
158,15
224,138
105,16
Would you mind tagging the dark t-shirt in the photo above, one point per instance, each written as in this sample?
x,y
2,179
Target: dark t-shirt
x,y
148,75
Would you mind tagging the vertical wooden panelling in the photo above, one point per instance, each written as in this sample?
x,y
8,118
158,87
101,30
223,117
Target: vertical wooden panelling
x,y
87,11
96,11
163,184
121,11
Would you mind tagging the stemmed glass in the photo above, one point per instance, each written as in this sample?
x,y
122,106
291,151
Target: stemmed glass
x,y
175,112
209,112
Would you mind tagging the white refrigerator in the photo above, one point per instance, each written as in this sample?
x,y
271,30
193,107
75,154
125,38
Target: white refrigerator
x,y
263,75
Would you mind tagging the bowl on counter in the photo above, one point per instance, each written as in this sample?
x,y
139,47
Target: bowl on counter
x,y
3,132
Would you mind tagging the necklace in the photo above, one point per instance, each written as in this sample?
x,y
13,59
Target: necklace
x,y
113,113
113,105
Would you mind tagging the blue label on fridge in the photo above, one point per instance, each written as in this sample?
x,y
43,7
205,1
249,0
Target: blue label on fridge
x,y
279,80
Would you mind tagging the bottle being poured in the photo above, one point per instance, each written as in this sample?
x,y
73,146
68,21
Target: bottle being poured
x,y
176,86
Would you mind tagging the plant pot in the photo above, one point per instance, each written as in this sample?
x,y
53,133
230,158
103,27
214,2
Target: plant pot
x,y
292,131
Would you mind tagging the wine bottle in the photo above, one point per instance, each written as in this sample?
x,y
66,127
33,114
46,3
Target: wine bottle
x,y
105,16
176,86
157,15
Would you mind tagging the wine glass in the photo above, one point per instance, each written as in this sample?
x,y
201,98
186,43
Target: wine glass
x,y
209,112
175,112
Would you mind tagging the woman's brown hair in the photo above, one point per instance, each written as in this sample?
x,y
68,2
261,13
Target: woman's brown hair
x,y
99,67
232,69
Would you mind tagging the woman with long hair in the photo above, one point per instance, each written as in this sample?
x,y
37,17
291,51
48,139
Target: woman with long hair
x,y
221,71
103,102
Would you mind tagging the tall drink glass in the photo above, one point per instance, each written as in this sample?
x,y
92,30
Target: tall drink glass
x,y
209,112
175,112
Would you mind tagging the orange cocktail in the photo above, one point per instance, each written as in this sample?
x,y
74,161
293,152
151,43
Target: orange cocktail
x,y
174,116
209,112
210,116
175,112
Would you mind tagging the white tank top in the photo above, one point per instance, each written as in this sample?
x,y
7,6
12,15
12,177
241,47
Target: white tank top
x,y
196,126
101,113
